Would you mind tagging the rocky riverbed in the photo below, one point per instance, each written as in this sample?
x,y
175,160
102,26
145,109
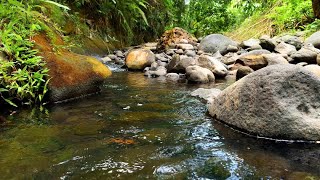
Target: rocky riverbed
x,y
279,99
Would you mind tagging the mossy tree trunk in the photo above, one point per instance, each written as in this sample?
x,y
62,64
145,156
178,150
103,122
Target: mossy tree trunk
x,y
316,8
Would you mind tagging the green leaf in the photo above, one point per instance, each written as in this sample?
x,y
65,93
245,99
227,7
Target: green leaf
x,y
10,102
57,4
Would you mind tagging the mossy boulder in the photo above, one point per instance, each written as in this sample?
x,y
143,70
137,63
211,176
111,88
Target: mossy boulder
x,y
72,75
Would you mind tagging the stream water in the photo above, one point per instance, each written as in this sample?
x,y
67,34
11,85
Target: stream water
x,y
140,128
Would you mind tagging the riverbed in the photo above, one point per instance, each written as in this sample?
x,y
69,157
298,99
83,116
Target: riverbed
x,y
142,128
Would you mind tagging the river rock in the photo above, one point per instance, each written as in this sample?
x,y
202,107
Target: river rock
x,y
180,51
293,40
119,54
279,101
214,65
231,48
273,59
243,71
72,75
284,48
216,42
175,36
314,39
160,71
180,63
253,59
267,43
306,54
185,46
106,59
315,69
112,56
197,74
162,57
190,53
173,76
206,94
251,44
138,59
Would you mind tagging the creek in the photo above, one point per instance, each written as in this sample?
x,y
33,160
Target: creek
x,y
142,128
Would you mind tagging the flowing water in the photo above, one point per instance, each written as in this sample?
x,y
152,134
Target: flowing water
x,y
140,128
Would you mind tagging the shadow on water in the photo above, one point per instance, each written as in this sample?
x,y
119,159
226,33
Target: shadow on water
x,y
140,128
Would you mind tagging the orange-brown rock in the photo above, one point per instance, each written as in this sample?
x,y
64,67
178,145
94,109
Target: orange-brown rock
x,y
175,36
138,59
72,75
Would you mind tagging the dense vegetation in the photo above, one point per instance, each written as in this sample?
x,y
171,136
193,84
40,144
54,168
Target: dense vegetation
x,y
24,78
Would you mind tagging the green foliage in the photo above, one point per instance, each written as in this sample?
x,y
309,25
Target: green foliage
x,y
207,16
292,14
23,77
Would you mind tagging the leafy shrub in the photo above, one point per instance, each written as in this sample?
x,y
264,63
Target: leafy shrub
x,y
23,76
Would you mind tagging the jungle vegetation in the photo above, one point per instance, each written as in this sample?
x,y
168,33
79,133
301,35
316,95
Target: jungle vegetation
x,y
24,76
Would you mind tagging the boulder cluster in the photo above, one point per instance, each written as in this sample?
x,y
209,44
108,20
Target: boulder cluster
x,y
181,57
278,79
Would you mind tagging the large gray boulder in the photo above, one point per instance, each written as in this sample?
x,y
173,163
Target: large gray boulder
x,y
216,42
197,74
314,39
279,101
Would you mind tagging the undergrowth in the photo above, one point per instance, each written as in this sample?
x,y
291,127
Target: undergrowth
x,y
23,75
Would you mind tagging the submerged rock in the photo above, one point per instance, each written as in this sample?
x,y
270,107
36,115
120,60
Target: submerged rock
x,y
279,101
206,94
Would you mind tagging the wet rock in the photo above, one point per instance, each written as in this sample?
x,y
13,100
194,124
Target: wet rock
x,y
243,71
159,71
214,65
315,69
267,43
197,74
273,59
216,42
314,39
279,101
206,94
292,40
173,76
229,58
175,36
138,59
284,48
105,59
306,54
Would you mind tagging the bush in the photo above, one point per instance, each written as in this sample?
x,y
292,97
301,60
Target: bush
x,y
23,76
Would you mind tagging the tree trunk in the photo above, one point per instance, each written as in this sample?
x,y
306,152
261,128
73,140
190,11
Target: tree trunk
x,y
316,8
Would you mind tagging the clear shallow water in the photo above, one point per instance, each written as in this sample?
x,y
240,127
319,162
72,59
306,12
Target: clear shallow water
x,y
140,128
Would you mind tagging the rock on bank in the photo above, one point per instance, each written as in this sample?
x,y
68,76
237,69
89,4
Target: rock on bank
x,y
72,75
279,101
